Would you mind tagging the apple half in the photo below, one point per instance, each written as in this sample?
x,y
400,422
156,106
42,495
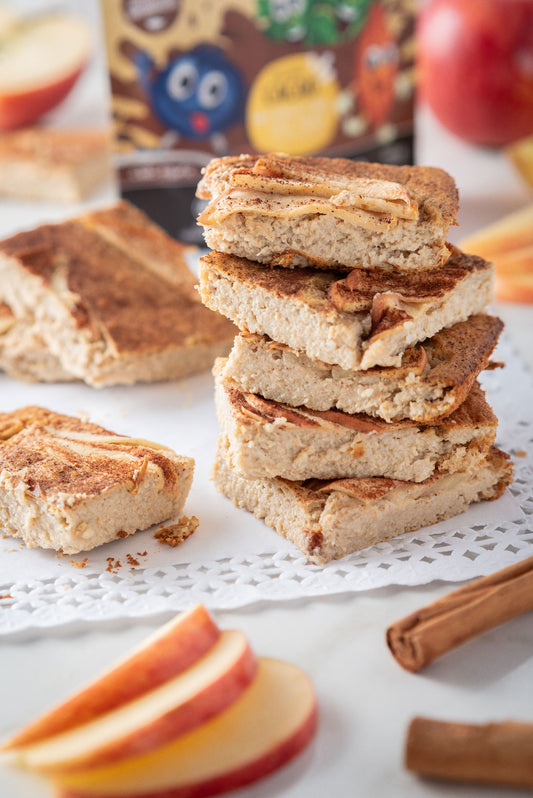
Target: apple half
x,y
42,57
164,655
209,686
273,721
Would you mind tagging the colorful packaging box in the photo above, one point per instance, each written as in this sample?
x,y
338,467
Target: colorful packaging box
x,y
194,79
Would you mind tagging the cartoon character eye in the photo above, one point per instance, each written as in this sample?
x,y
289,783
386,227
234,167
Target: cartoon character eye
x,y
391,53
182,80
374,56
212,89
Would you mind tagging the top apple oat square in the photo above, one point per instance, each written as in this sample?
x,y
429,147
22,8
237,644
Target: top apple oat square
x,y
328,212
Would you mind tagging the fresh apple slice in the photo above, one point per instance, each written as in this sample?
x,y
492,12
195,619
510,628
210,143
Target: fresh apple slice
x,y
42,58
179,705
272,722
165,654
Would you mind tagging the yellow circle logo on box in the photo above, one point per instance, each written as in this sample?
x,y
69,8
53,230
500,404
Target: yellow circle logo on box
x,y
293,105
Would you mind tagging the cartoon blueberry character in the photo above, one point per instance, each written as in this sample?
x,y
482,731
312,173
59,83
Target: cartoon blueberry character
x,y
198,95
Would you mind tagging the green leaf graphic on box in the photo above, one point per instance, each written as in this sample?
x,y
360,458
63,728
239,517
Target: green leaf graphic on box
x,y
311,22
283,19
352,13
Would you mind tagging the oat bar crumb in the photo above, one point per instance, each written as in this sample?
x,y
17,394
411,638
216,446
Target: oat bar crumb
x,y
113,565
174,534
79,563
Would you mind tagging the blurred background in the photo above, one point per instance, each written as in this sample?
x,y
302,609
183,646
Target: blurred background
x,y
175,82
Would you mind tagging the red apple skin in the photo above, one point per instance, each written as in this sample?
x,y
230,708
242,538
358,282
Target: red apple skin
x,y
185,641
254,771
21,109
475,66
215,698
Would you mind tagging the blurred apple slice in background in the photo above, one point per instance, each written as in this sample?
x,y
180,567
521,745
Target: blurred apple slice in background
x,y
514,277
41,58
521,154
508,243
165,654
272,722
209,686
512,232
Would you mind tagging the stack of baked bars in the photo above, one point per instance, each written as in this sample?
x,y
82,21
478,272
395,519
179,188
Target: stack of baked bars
x,y
349,406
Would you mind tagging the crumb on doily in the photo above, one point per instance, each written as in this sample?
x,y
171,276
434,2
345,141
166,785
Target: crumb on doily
x,y
520,453
6,596
174,534
79,563
113,565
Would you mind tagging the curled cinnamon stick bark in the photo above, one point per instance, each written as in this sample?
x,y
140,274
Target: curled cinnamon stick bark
x,y
426,634
493,753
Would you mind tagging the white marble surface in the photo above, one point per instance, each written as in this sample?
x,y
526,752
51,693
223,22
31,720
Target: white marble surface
x,y
366,700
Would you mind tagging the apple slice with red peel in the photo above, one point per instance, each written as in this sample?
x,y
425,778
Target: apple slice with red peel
x,y
164,655
273,721
42,58
206,688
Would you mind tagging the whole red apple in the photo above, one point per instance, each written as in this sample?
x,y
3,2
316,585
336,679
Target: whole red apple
x,y
476,67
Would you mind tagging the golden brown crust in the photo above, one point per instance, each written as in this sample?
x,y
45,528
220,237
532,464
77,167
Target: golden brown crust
x,y
249,405
380,291
458,354
432,188
369,489
284,175
124,280
308,284
473,412
53,454
129,229
54,147
358,289
445,366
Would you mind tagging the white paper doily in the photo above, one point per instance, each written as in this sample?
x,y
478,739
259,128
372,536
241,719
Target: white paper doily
x,y
233,559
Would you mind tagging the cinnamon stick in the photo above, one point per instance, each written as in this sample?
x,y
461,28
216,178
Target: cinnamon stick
x,y
426,634
493,753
